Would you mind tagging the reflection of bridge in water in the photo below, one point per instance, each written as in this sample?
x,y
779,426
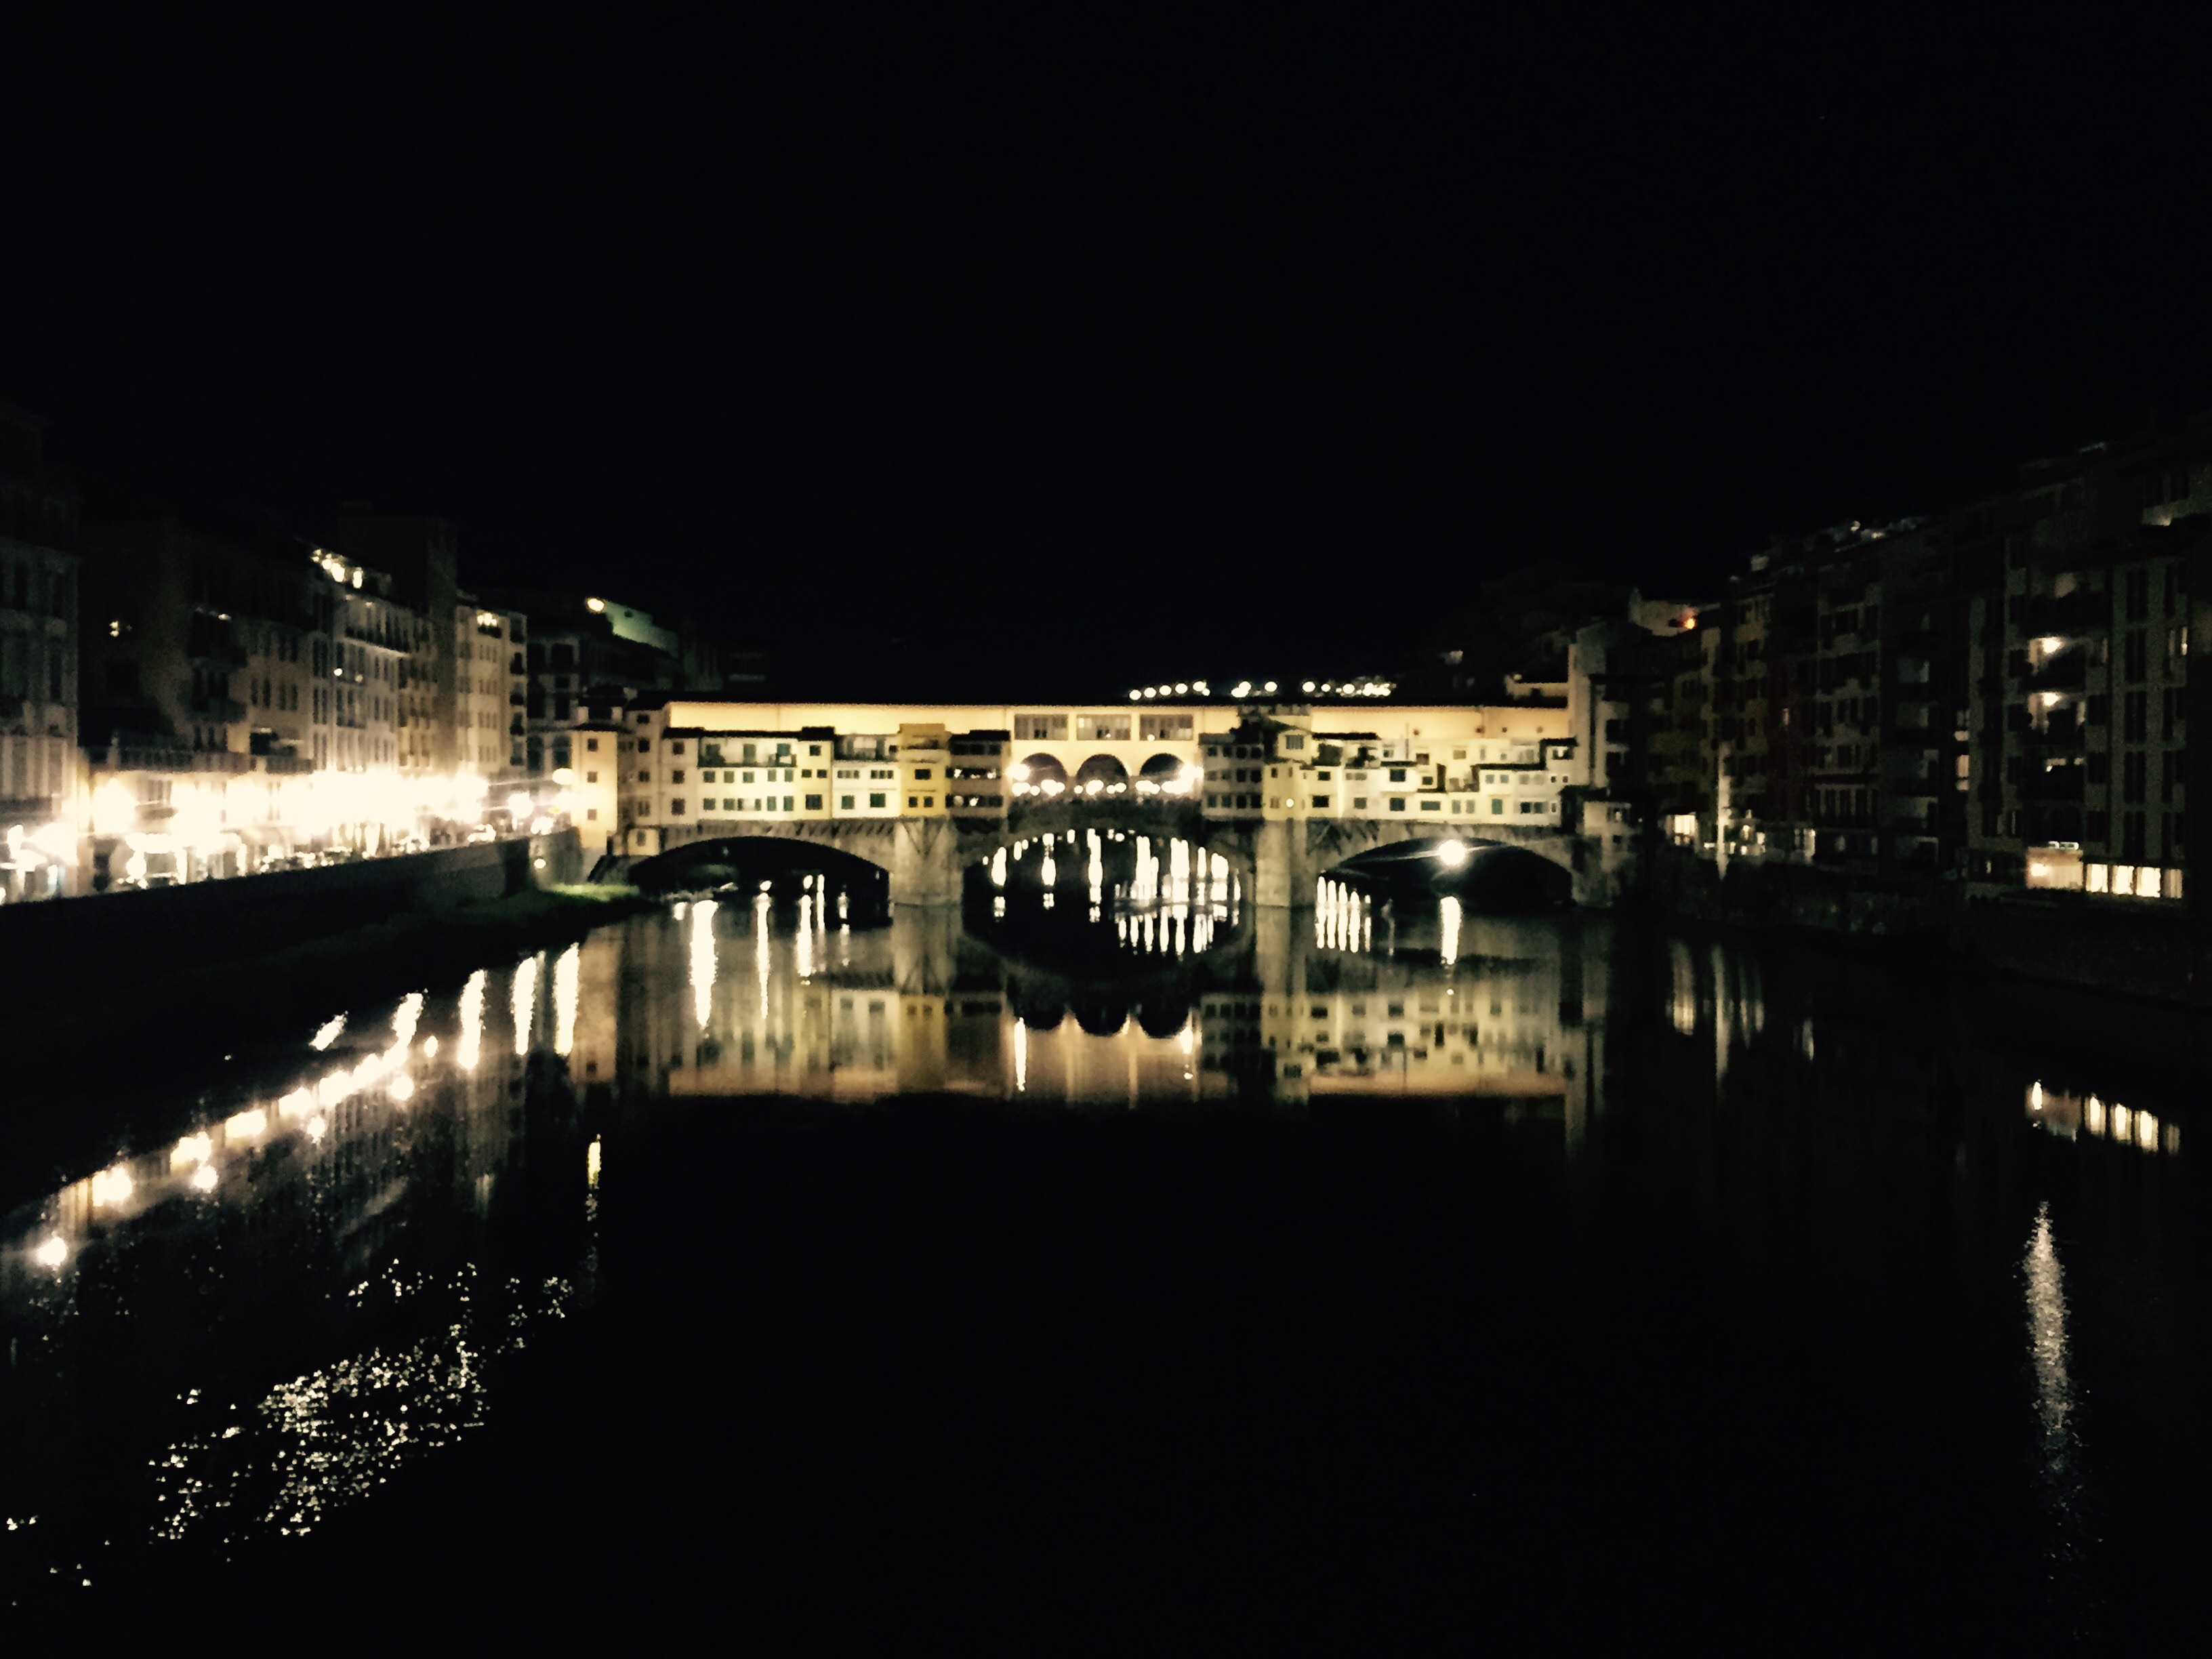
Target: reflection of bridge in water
x,y
1343,1002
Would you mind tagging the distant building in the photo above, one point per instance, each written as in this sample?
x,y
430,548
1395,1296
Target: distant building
x,y
40,769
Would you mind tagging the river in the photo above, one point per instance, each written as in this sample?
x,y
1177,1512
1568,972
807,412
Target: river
x,y
1371,1272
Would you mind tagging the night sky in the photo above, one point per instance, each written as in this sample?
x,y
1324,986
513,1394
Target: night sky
x,y
1162,351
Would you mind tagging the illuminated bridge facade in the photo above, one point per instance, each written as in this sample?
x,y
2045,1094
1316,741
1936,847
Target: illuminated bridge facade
x,y
1286,792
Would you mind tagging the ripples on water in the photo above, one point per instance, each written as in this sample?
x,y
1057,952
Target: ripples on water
x,y
236,1335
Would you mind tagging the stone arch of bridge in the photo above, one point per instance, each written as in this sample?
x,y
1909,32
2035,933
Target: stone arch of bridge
x,y
978,842
872,842
1334,842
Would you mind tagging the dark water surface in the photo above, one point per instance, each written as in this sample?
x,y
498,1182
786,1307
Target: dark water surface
x,y
1372,1276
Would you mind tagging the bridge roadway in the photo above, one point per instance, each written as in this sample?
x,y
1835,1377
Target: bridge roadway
x,y
1278,861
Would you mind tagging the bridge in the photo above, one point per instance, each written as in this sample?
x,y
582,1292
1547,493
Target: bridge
x,y
926,859
1284,792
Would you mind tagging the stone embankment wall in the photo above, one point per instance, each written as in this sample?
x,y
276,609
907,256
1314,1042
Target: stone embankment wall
x,y
89,946
2059,938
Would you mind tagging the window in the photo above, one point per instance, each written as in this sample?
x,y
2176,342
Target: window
x,y
1360,802
876,798
786,803
2135,655
1397,803
1320,802
1397,774
929,800
676,776
921,774
676,807
844,803
591,777
1497,805
1039,728
2133,769
644,775
2134,712
747,778
913,800
592,745
1103,728
814,803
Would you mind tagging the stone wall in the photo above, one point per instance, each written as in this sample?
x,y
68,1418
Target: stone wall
x,y
89,946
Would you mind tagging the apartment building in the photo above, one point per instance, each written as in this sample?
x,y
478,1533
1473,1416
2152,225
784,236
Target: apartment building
x,y
40,769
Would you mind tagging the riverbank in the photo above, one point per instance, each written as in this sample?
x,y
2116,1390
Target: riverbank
x,y
2149,952
102,1051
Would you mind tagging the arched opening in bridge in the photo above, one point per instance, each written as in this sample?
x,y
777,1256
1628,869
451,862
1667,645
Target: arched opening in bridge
x,y
1039,775
1166,774
781,867
1487,878
1100,778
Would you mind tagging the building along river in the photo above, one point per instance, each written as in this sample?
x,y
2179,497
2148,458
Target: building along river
x,y
1140,1259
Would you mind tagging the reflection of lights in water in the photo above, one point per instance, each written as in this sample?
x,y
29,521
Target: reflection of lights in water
x,y
327,1033
704,962
402,1088
592,1162
299,1101
524,1000
1683,1007
1049,873
203,1178
1021,1057
246,1125
2046,1289
761,946
52,1253
194,1149
473,1002
328,1439
567,969
1447,918
429,1047
999,868
405,1017
1097,873
804,939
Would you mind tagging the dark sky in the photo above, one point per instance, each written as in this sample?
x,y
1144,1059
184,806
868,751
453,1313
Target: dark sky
x,y
1173,349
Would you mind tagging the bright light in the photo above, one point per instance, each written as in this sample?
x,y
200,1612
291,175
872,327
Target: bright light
x,y
114,807
1151,691
1451,854
2048,645
192,1149
402,1087
52,1253
327,1033
564,775
246,1125
113,1186
1019,771
1135,696
1269,687
1308,686
543,824
203,1178
517,804
595,606
1182,689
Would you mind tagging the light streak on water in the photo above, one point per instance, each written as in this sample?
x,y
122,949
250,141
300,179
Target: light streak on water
x,y
525,1001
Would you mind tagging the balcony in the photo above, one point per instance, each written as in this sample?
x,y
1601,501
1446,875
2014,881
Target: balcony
x,y
228,710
